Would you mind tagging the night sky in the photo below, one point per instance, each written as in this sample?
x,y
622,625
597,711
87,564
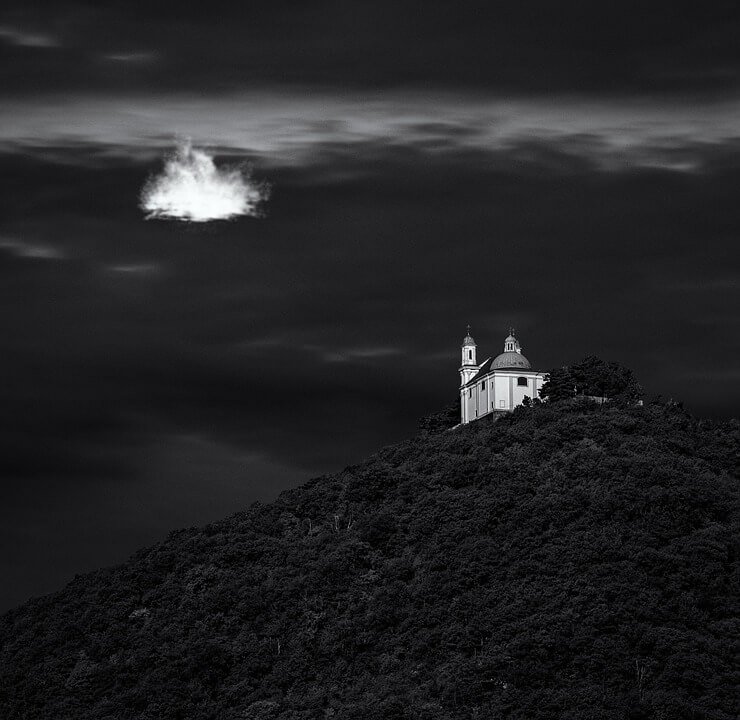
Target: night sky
x,y
571,169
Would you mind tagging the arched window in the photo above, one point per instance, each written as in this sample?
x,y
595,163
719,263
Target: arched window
x,y
522,382
470,354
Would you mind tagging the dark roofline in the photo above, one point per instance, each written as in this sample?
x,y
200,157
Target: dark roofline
x,y
483,370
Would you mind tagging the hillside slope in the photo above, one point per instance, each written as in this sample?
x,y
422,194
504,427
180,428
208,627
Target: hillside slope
x,y
572,561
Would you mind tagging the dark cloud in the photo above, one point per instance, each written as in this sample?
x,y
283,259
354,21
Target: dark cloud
x,y
526,47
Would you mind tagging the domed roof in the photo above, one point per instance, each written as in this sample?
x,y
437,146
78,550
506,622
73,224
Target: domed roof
x,y
510,361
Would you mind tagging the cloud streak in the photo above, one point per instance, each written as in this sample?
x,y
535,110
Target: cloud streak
x,y
29,251
291,129
130,57
21,38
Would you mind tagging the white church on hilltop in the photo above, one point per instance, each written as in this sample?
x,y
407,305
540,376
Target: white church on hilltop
x,y
498,384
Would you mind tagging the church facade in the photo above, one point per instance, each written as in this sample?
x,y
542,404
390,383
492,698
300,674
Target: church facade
x,y
497,384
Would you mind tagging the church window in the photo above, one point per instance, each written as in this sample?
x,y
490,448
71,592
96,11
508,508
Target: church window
x,y
470,354
502,403
483,386
522,382
470,392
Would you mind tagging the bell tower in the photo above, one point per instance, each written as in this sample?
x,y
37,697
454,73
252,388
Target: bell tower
x,y
511,344
469,365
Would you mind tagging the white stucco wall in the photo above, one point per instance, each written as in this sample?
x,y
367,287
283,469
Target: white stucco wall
x,y
501,392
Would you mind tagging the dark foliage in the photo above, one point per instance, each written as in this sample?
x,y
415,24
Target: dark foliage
x,y
571,560
445,419
591,377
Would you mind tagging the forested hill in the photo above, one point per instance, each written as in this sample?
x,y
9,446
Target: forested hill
x,y
567,561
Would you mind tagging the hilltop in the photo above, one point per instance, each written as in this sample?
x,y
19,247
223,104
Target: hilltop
x,y
566,561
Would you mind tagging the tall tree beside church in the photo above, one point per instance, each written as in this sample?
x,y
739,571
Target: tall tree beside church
x,y
592,376
559,385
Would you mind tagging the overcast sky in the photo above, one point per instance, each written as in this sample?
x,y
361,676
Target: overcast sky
x,y
570,169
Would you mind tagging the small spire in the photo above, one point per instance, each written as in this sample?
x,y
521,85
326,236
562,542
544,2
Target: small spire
x,y
468,328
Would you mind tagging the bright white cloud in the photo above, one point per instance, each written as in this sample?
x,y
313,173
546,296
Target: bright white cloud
x,y
192,189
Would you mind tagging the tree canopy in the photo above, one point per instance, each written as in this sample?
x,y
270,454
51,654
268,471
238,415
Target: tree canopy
x,y
592,377
443,419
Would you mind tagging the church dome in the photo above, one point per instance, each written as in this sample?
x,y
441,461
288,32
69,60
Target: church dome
x,y
510,361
